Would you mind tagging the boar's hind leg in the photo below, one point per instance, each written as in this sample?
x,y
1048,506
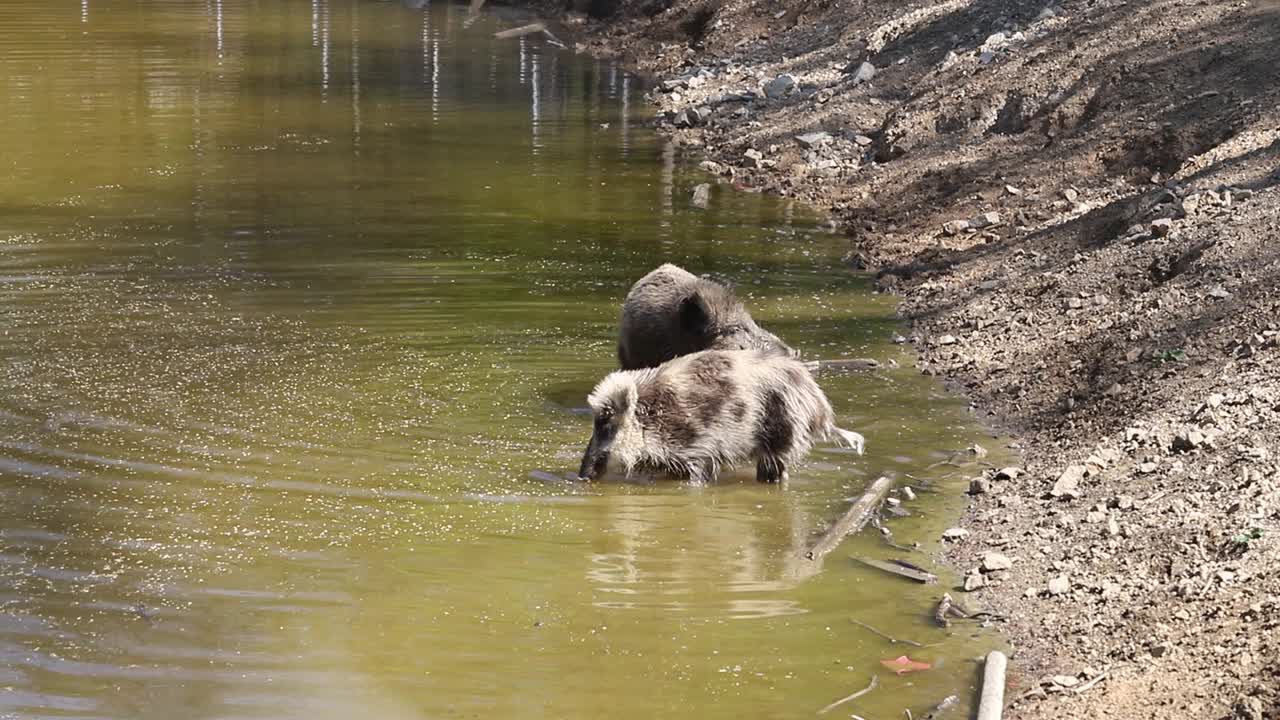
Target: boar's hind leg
x,y
771,470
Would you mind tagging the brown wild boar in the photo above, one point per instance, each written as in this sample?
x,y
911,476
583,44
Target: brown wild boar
x,y
671,312
696,414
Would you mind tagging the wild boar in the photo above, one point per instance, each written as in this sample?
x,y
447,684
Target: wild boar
x,y
671,312
699,413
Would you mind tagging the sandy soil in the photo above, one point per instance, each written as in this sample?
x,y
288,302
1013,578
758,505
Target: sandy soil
x,y
1079,204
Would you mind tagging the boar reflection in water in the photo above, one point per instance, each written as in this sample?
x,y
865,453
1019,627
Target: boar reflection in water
x,y
699,413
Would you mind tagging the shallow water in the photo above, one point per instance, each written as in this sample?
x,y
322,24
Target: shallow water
x,y
299,302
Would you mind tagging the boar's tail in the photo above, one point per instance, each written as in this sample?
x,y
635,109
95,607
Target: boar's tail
x,y
850,439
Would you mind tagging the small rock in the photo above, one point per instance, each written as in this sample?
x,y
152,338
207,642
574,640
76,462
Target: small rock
x,y
947,340
908,493
974,581
702,195
955,227
1067,486
1071,194
1113,527
1147,468
1122,502
780,87
1030,592
1008,473
1161,649
1065,680
986,57
1187,440
977,450
1012,190
985,220
955,534
862,140
1219,292
814,139
1161,227
995,40
979,486
712,167
864,73
994,561
673,85
1094,517
1059,585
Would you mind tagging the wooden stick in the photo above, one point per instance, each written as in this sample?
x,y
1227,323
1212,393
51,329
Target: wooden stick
x,y
1088,684
522,30
853,520
943,610
900,569
888,637
855,696
848,365
991,704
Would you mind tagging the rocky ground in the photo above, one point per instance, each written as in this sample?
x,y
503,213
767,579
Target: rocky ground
x,y
1079,204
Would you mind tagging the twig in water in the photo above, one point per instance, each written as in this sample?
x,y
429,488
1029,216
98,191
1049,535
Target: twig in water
x,y
1091,683
908,712
943,610
943,706
874,680
888,637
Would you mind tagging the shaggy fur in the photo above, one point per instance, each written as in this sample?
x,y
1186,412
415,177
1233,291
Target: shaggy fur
x,y
671,312
699,413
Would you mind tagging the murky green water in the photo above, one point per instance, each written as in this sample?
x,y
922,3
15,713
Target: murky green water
x,y
297,300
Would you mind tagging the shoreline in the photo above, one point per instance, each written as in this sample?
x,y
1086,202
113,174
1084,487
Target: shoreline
x,y
1077,223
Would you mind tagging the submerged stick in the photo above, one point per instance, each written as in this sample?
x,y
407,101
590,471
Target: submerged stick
x,y
855,696
901,569
853,520
991,704
889,637
529,29
847,365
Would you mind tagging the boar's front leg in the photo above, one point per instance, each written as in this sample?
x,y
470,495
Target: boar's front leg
x,y
701,473
771,470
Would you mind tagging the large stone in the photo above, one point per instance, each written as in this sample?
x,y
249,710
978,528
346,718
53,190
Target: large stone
x,y
994,561
864,73
1067,486
780,87
814,139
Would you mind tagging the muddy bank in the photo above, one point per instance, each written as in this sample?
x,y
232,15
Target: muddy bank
x,y
1078,205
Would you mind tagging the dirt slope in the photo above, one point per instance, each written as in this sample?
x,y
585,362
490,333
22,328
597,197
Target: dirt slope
x,y
1079,204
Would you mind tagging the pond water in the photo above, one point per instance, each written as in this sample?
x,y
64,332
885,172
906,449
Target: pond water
x,y
298,304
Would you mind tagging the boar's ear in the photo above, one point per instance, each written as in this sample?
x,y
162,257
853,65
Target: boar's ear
x,y
694,314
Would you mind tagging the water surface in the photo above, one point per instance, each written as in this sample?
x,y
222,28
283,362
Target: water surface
x,y
299,302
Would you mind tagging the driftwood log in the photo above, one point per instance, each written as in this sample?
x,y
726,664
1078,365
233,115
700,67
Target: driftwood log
x,y
808,562
901,569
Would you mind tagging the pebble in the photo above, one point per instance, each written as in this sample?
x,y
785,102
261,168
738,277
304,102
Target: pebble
x,y
1008,473
1067,486
864,73
1059,585
862,140
908,493
711,166
994,561
955,227
1161,227
974,581
780,87
947,340
979,486
1065,680
1113,527
954,534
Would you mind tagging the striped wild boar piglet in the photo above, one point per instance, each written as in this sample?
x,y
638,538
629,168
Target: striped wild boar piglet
x,y
671,312
699,413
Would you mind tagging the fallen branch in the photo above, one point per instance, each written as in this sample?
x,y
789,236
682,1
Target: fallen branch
x,y
991,703
853,520
1088,684
901,569
529,29
848,365
855,696
888,637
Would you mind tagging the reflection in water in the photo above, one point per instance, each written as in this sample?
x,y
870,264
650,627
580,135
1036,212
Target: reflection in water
x,y
288,385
